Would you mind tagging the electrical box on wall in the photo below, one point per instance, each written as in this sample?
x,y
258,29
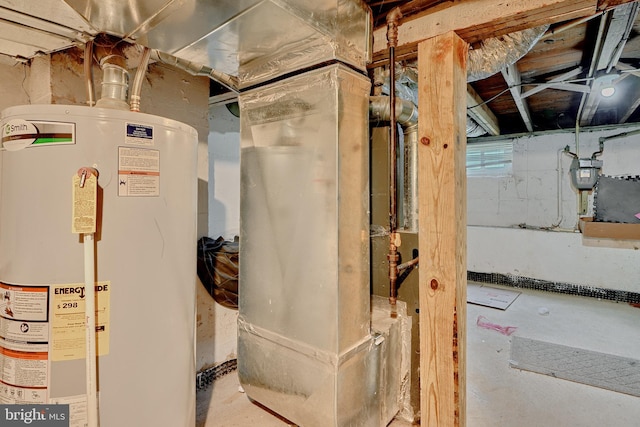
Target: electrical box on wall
x,y
584,173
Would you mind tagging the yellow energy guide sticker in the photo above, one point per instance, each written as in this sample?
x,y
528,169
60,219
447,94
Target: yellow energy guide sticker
x,y
68,321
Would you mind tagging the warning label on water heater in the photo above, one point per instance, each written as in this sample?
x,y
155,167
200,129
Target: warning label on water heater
x,y
138,172
139,134
24,338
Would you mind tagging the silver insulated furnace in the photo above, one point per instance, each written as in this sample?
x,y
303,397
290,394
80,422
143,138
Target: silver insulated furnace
x,y
145,263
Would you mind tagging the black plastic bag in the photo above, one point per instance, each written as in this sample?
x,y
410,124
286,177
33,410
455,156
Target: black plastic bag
x,y
218,269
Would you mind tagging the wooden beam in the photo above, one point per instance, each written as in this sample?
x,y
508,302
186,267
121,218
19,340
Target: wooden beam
x,y
442,243
512,77
476,20
570,87
481,113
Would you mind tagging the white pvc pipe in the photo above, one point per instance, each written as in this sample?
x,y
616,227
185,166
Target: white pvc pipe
x,y
90,330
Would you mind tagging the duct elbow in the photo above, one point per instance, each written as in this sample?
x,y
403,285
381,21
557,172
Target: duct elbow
x,y
406,111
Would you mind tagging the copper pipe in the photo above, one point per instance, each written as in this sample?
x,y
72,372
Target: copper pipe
x,y
393,258
393,153
408,264
392,41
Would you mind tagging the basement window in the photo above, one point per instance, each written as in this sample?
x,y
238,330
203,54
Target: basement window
x,y
489,159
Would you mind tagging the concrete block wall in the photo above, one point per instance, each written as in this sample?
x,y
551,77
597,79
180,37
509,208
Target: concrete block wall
x,y
508,216
537,193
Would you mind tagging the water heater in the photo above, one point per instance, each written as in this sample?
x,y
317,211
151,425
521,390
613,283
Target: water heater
x,y
145,263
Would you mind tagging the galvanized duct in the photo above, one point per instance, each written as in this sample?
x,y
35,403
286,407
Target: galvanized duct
x,y
407,117
406,111
407,89
195,69
406,81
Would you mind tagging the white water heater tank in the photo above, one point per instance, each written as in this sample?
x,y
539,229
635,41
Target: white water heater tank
x,y
145,263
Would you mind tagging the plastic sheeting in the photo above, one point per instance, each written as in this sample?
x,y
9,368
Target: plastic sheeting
x,y
218,269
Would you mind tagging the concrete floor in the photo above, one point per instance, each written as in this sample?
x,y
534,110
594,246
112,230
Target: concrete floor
x,y
498,395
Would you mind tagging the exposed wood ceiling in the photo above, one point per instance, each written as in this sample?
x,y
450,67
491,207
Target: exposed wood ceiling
x,y
554,85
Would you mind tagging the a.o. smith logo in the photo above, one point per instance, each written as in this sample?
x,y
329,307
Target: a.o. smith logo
x,y
12,128
18,134
34,415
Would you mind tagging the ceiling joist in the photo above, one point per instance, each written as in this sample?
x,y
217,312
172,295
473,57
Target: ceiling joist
x,y
478,110
559,82
613,33
633,97
512,77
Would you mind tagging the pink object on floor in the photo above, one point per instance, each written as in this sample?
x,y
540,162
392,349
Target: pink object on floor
x,y
504,330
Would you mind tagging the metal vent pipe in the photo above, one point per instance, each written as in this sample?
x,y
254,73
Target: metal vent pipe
x,y
406,114
115,78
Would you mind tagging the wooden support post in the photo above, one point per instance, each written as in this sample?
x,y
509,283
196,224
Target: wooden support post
x,y
443,235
